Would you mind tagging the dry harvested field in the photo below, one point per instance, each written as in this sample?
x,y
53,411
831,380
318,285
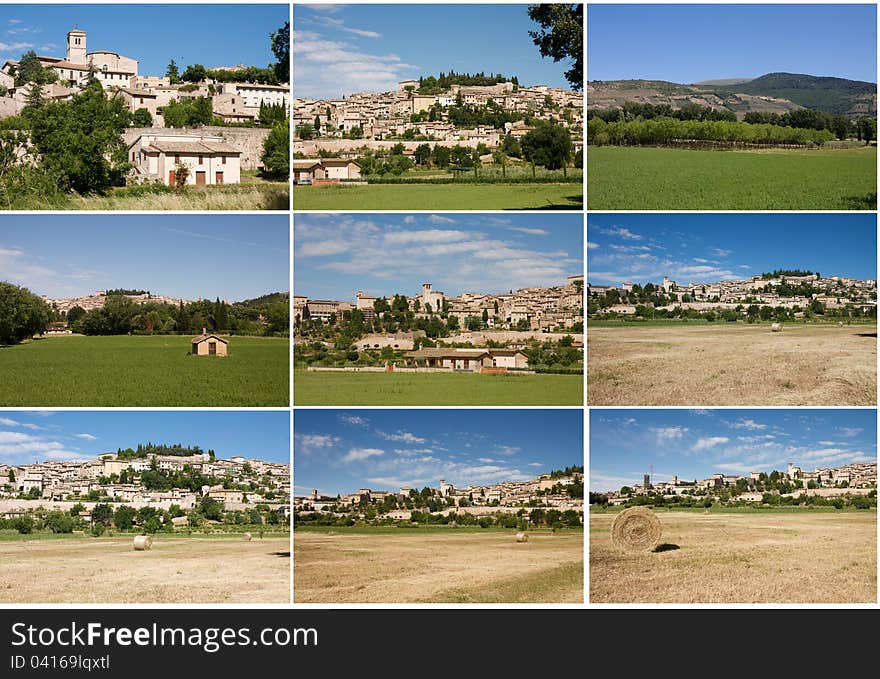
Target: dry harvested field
x,y
455,567
786,557
176,570
745,365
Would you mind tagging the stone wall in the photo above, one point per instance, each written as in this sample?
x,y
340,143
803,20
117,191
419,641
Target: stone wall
x,y
10,107
248,140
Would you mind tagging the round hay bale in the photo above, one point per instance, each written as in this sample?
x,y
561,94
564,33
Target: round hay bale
x,y
142,543
636,530
248,537
776,327
522,537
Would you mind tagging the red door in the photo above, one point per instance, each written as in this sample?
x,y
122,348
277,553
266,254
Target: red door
x,y
200,177
171,178
219,179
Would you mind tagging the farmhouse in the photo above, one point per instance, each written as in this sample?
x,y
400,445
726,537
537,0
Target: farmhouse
x,y
209,158
209,344
469,359
308,170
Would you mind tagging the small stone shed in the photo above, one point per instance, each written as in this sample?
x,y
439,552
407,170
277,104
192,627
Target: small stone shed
x,y
209,344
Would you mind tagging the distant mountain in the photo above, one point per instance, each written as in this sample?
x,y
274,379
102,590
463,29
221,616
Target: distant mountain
x,y
771,93
722,82
840,96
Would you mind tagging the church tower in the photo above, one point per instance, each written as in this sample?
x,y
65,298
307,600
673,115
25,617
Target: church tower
x,y
76,47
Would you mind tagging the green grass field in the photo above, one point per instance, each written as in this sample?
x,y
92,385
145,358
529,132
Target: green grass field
x,y
431,389
143,371
440,197
626,178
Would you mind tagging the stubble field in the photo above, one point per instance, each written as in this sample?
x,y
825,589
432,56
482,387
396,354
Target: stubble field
x,y
629,178
369,388
175,570
154,370
440,565
762,557
732,364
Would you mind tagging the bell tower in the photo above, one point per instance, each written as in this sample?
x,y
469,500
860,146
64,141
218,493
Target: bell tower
x,y
76,46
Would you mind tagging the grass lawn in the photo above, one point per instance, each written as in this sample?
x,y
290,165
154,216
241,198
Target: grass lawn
x,y
440,197
143,371
429,389
627,178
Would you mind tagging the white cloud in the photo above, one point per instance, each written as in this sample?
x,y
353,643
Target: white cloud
x,y
356,420
87,437
530,232
440,219
666,434
310,442
592,246
507,450
718,252
360,454
15,46
709,442
620,232
323,248
17,447
427,236
850,432
535,464
749,424
325,68
402,436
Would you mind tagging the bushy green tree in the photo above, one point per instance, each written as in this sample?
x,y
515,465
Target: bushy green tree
x,y
276,151
22,314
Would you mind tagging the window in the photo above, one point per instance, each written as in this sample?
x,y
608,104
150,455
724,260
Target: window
x,y
176,159
223,162
142,100
201,160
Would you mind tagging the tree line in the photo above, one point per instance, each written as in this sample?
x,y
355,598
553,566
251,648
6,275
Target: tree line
x,y
22,314
443,82
122,316
658,131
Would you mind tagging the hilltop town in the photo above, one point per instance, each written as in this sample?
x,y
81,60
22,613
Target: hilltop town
x,y
98,299
560,492
181,481
198,127
420,110
857,479
534,309
479,331
778,295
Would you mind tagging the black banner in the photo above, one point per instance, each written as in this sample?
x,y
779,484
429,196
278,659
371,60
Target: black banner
x,y
380,642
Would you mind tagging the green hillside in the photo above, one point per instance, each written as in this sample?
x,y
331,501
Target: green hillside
x,y
834,95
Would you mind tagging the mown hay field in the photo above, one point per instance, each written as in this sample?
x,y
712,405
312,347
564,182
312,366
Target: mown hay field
x,y
749,557
79,569
440,197
442,565
732,364
369,388
628,178
143,371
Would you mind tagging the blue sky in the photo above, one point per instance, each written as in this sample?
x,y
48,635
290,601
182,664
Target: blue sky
x,y
702,248
690,43
336,255
233,257
211,35
339,451
342,49
37,436
694,444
